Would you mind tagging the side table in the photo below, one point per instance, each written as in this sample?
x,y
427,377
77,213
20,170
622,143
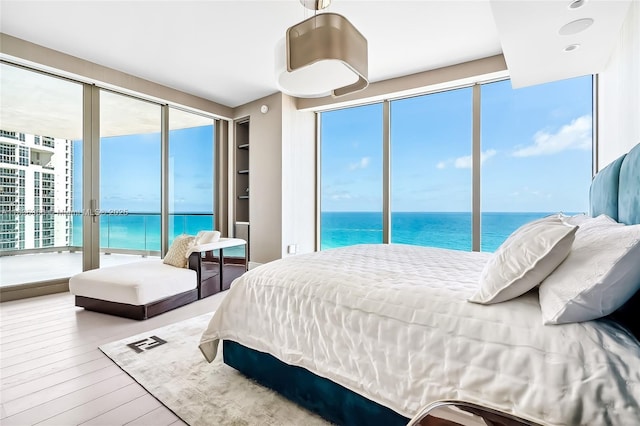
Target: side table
x,y
215,271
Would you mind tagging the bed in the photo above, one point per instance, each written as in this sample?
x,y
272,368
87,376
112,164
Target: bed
x,y
370,334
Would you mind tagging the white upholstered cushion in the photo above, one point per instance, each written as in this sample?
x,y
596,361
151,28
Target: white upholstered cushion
x,y
600,274
135,283
530,253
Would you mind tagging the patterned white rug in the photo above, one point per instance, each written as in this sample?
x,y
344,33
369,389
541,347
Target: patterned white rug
x,y
169,365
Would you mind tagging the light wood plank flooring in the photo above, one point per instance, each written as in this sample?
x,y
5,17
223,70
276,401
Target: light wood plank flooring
x,y
52,372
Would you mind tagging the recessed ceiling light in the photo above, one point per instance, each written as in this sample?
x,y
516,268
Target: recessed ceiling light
x,y
574,27
571,47
577,4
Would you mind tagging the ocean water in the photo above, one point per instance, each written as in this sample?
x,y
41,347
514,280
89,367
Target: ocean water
x,y
141,231
434,229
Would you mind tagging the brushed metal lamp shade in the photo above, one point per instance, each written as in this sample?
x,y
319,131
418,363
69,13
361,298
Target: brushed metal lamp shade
x,y
323,55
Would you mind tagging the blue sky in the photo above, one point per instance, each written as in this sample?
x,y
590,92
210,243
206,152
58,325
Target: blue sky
x,y
130,172
535,142
536,145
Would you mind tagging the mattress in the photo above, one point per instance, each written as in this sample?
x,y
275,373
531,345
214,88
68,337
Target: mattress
x,y
392,323
136,283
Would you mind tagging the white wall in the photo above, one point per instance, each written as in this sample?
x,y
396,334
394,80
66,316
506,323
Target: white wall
x,y
619,93
265,177
298,177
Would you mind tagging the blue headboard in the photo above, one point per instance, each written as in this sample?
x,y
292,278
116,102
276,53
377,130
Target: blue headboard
x,y
615,191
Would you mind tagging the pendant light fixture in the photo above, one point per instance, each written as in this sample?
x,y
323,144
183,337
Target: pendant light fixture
x,y
323,55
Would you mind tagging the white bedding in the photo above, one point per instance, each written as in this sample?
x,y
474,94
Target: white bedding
x,y
391,322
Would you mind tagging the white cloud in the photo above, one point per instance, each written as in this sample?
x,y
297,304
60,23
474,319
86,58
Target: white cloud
x,y
362,164
575,135
466,161
341,196
441,165
463,162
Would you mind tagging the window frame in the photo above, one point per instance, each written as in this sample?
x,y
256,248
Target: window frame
x,y
476,150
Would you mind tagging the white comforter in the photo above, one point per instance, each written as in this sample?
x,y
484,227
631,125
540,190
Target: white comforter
x,y
391,322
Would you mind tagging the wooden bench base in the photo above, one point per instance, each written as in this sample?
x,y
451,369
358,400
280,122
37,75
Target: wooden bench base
x,y
137,312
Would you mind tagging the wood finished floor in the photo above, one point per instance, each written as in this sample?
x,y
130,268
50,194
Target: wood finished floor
x,y
52,372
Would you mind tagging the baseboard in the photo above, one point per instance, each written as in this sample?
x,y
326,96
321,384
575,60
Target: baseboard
x,y
41,288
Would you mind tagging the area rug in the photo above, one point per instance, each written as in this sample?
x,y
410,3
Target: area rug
x,y
169,365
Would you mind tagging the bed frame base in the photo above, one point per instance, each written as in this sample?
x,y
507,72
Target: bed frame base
x,y
322,396
137,312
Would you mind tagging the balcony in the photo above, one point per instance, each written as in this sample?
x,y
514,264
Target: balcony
x,y
123,239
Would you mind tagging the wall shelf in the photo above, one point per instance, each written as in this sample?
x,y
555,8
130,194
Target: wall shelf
x,y
242,181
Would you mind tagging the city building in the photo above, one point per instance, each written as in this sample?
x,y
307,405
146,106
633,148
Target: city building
x,y
35,191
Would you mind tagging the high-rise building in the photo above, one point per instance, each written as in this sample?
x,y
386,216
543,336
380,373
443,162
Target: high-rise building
x,y
35,191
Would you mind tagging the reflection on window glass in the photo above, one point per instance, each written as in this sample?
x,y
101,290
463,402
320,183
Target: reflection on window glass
x,y
190,173
540,138
431,170
351,197
40,133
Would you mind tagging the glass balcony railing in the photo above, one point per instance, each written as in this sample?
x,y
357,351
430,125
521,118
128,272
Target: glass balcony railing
x,y
57,250
141,231
131,233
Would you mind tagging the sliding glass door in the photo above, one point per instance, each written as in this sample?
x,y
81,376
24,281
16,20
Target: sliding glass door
x,y
41,124
130,166
191,173
81,176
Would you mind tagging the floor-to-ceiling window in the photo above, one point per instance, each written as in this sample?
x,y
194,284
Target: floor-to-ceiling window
x,y
431,170
130,167
191,173
40,153
53,162
351,162
534,153
540,138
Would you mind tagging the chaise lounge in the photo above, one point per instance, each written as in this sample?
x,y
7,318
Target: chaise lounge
x,y
141,290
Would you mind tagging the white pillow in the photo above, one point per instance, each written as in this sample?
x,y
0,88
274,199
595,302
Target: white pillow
x,y
177,254
581,219
600,274
577,219
531,253
206,237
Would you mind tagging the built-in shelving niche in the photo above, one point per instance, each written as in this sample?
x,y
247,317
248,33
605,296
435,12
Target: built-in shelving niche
x,y
242,172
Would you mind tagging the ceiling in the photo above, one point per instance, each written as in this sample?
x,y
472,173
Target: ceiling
x,y
224,50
